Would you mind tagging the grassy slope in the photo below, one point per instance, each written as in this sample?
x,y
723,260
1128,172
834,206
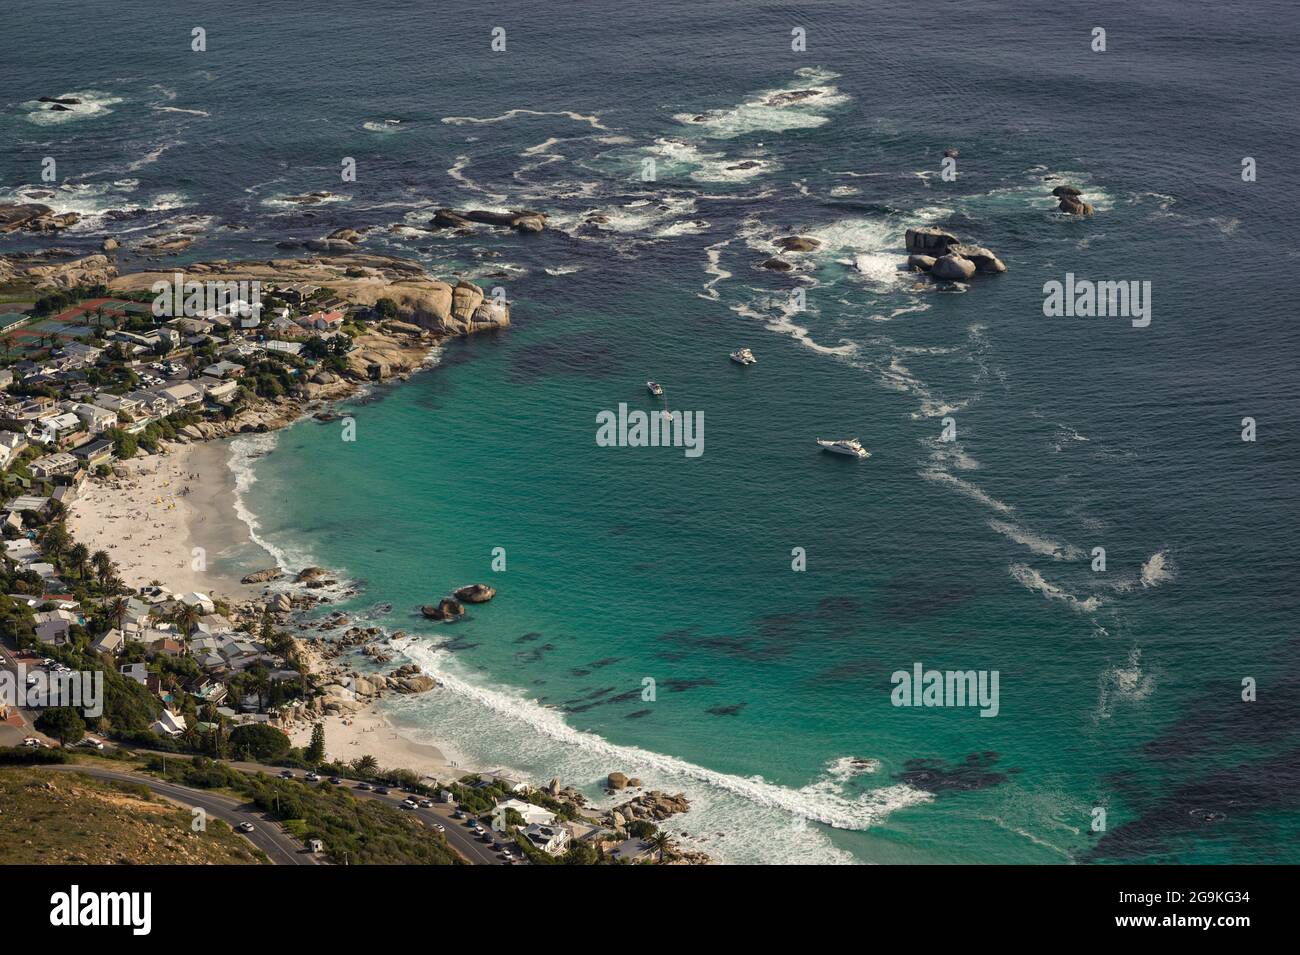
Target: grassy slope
x,y
60,818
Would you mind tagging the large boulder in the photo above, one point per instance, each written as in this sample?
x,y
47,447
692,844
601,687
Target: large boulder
x,y
262,576
985,261
521,220
616,781
920,263
1074,206
475,594
446,610
777,265
798,243
953,268
927,240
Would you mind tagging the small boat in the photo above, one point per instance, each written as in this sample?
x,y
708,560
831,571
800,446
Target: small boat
x,y
655,388
848,446
743,356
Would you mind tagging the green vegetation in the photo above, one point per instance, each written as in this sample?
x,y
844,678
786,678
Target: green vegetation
x,y
63,723
259,742
355,831
31,756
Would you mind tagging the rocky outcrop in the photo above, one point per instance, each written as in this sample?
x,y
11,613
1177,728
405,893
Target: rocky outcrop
x,y
985,261
357,278
944,256
927,240
953,268
262,576
653,806
474,594
798,243
1072,202
39,271
521,220
616,781
777,265
34,217
447,610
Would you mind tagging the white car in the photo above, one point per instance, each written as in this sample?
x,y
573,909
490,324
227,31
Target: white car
x,y
33,742
247,827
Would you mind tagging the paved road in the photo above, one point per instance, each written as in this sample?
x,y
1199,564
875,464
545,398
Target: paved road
x,y
458,833
280,847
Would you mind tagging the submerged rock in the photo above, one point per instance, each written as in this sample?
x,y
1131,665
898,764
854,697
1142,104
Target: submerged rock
x,y
776,265
798,243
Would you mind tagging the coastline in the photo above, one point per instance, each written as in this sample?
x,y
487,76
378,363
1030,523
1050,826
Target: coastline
x,y
186,497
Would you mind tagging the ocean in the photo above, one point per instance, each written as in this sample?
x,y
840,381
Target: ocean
x,y
1121,733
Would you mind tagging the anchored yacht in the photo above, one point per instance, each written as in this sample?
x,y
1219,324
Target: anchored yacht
x,y
849,446
743,356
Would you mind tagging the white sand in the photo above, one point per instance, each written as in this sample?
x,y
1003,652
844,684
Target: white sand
x,y
159,526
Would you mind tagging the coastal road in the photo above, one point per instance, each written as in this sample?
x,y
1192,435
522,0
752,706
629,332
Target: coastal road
x,y
280,847
463,841
459,836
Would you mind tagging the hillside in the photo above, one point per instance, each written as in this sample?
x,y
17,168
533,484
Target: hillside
x,y
59,818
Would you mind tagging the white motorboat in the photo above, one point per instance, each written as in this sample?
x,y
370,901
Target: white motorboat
x,y
851,447
743,356
655,388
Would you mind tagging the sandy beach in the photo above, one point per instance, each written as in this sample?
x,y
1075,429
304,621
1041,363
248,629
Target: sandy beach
x,y
369,733
151,521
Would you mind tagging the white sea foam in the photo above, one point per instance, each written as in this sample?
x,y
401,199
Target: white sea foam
x,y
964,487
1031,579
382,126
593,121
713,254
1038,543
457,171
178,109
1158,569
677,155
93,103
804,103
748,819
563,269
779,318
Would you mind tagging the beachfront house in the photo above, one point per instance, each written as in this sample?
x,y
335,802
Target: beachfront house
x,y
216,389
182,394
118,404
553,840
322,321
94,453
532,815
95,418
284,348
59,430
54,465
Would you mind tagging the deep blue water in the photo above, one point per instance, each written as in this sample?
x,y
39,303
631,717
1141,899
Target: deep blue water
x,y
1118,690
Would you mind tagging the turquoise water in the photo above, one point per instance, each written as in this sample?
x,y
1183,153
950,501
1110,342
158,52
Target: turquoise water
x,y
1119,690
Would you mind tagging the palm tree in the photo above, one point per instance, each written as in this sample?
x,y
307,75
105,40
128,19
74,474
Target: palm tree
x,y
661,842
103,565
79,558
56,541
117,609
186,618
365,766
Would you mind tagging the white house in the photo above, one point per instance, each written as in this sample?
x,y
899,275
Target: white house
x,y
553,840
533,815
111,642
169,724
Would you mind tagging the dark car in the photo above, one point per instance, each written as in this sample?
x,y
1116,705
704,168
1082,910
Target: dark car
x,y
381,790
335,780
366,786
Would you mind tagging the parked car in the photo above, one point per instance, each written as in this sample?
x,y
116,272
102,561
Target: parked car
x,y
286,774
381,790
426,803
336,781
246,827
312,778
366,786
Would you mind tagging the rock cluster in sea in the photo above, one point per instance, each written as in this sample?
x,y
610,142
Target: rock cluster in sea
x,y
945,256
1072,202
